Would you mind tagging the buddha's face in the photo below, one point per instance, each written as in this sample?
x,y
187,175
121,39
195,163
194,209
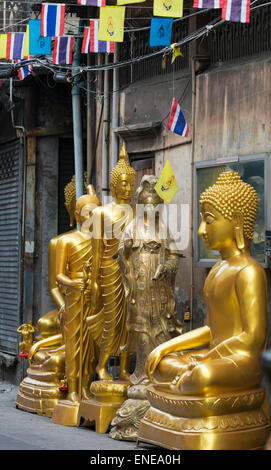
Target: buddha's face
x,y
125,187
218,232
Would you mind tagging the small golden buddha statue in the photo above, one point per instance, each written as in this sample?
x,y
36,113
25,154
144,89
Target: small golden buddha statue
x,y
26,330
107,322
214,395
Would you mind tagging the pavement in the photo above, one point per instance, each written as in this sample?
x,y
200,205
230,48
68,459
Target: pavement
x,y
20,430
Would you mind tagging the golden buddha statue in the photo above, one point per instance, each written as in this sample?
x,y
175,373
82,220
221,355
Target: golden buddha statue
x,y
107,322
26,330
107,310
211,398
73,258
149,260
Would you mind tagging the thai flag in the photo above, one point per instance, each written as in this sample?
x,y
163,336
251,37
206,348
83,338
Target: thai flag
x,y
52,19
15,46
93,3
25,70
208,4
176,122
91,42
62,53
236,11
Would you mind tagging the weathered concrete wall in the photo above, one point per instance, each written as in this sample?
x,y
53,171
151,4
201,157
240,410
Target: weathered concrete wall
x,y
46,220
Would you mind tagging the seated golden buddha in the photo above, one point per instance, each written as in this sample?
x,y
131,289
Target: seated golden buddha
x,y
207,382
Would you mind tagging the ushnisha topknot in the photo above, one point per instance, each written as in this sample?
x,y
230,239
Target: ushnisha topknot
x,y
231,194
122,167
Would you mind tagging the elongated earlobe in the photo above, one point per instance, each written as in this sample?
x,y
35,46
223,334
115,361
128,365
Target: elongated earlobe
x,y
238,223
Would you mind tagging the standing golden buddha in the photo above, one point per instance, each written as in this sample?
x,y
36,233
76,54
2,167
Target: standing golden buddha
x,y
73,253
211,398
108,312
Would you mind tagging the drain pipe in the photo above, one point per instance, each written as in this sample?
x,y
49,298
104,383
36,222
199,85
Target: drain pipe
x,y
77,119
115,109
105,146
192,191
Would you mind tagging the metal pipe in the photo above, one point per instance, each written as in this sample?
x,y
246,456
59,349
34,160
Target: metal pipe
x,y
192,191
115,110
77,120
105,145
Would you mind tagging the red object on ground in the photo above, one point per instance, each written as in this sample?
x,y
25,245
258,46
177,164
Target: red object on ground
x,y
23,354
63,389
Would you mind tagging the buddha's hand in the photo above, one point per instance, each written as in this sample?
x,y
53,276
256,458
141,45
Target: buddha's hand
x,y
198,358
78,284
33,350
153,360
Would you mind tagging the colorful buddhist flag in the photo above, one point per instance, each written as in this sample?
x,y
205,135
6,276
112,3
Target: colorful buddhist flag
x,y
93,3
172,8
25,70
111,25
236,11
177,122
166,186
38,45
161,30
208,4
91,42
62,53
52,19
3,46
15,46
26,42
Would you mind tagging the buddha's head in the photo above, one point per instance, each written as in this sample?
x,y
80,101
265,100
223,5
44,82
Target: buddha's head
x,y
123,178
70,197
85,205
228,212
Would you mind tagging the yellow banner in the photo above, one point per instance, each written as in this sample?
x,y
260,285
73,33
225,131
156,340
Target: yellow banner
x,y
172,8
26,42
126,2
3,46
166,186
111,24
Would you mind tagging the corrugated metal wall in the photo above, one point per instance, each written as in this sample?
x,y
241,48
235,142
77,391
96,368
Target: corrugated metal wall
x,y
10,215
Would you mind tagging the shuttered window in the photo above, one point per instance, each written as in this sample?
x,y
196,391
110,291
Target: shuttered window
x,y
10,196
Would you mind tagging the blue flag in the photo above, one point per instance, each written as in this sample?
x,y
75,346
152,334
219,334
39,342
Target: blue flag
x,y
161,29
38,45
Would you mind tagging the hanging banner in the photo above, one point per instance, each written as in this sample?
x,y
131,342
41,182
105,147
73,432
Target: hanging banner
x,y
93,3
166,186
52,19
173,8
15,46
236,10
26,42
161,30
3,46
91,42
111,26
62,53
38,45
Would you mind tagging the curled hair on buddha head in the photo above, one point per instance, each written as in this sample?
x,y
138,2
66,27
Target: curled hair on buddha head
x,y
122,167
70,196
230,195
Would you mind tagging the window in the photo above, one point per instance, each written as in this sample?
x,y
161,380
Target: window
x,y
252,170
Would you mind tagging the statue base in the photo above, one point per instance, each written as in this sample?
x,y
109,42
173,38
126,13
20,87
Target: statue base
x,y
66,413
225,422
39,392
108,397
127,420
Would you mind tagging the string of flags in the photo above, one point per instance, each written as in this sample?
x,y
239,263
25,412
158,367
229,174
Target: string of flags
x,y
102,33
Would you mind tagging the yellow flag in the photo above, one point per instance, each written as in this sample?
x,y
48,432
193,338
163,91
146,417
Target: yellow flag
x,y
3,46
126,2
26,42
172,8
166,186
176,51
111,24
